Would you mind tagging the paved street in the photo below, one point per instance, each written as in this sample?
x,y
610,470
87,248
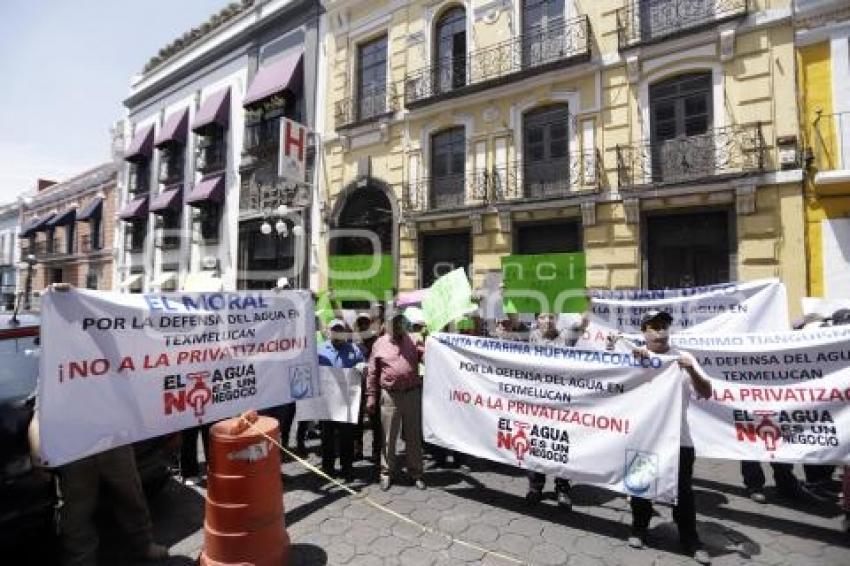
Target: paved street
x,y
486,507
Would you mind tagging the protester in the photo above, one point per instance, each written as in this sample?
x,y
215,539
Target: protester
x,y
655,326
80,483
547,333
787,483
367,331
394,379
190,468
338,437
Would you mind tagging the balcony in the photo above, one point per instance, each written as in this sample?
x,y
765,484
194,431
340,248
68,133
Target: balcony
x,y
576,174
512,60
89,245
372,104
446,193
831,148
641,22
719,154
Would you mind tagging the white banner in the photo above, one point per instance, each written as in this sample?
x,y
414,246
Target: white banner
x,y
592,417
779,397
757,306
119,368
339,400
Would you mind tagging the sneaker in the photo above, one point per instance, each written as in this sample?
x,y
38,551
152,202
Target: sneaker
x,y
534,496
419,484
758,496
385,483
155,552
701,556
564,501
192,481
637,539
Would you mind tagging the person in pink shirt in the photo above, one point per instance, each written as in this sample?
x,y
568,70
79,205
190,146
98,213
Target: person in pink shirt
x,y
393,380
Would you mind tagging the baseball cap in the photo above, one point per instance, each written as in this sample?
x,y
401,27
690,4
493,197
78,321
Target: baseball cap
x,y
653,315
337,323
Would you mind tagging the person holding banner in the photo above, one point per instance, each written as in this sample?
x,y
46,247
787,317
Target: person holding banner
x,y
79,485
393,378
547,333
338,352
655,326
367,331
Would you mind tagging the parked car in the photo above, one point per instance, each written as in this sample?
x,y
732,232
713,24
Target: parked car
x,y
27,492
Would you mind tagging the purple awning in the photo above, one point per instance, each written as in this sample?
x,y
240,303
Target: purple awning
x,y
215,111
136,209
63,218
277,76
28,229
142,145
43,224
209,191
92,210
168,201
174,130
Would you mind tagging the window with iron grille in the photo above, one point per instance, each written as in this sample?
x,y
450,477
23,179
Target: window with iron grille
x,y
545,150
372,78
70,233
135,236
450,50
139,177
91,279
448,164
680,122
172,160
547,238
212,151
542,30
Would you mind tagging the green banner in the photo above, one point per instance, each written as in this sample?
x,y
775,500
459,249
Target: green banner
x,y
544,283
361,277
324,307
448,299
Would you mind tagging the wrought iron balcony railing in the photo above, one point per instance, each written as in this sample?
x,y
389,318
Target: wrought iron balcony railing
x,y
831,141
446,192
576,173
539,180
527,54
731,151
372,103
646,21
89,244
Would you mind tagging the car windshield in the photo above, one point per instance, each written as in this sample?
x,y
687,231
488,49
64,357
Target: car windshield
x,y
18,365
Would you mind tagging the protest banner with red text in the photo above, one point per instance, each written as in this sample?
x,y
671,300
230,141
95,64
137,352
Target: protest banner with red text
x,y
601,418
777,397
119,368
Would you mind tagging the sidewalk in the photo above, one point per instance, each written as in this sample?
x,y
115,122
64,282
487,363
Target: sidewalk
x,y
487,507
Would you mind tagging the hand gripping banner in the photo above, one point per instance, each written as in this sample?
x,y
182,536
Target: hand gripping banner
x,y
602,418
118,368
778,397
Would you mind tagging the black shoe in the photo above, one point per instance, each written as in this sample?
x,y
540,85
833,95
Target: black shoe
x,y
564,501
695,550
637,539
534,496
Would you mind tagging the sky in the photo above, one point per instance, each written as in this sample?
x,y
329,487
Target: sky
x,y
65,69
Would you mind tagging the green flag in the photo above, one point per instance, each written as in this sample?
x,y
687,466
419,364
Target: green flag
x,y
324,308
448,299
361,277
544,283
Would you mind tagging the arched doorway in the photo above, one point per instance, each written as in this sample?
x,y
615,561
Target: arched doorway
x,y
364,232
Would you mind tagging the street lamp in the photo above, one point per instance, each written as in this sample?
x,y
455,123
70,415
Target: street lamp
x,y
28,263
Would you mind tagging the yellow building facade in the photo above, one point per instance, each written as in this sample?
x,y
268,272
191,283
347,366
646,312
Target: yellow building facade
x,y
822,32
658,137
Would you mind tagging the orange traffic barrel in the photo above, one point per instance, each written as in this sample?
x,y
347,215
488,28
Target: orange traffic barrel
x,y
244,522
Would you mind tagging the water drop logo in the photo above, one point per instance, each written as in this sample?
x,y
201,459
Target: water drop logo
x,y
301,382
641,472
